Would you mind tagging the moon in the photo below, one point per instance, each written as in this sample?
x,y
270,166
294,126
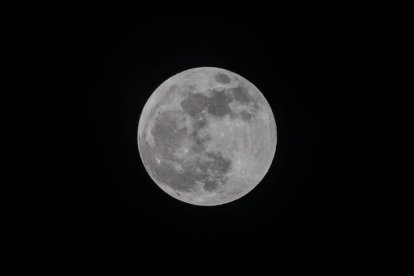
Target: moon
x,y
207,136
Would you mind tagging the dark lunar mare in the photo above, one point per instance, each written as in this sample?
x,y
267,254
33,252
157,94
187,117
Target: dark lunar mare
x,y
218,104
241,94
222,78
194,103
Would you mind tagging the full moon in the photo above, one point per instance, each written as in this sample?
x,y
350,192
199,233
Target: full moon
x,y
207,136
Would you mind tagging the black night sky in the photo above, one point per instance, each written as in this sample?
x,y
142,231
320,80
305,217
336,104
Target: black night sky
x,y
121,61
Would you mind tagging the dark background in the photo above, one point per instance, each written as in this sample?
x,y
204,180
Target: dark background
x,y
297,62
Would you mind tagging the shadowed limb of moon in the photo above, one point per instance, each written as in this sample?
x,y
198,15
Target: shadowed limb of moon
x,y
207,136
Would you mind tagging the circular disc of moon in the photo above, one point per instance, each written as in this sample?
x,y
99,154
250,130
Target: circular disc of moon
x,y
207,136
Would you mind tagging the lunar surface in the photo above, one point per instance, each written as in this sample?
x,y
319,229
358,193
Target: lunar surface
x,y
207,136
